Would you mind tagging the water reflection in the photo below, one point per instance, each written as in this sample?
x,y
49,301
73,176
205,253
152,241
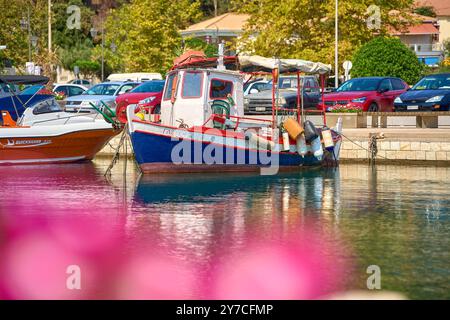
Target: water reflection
x,y
394,217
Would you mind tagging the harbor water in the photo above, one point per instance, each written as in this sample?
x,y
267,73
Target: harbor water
x,y
393,217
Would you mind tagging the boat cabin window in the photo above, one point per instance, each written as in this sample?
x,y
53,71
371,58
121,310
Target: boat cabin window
x,y
171,84
220,88
47,106
192,85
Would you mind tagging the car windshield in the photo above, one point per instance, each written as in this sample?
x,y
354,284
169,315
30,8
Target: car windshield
x,y
106,89
436,82
365,84
261,86
150,86
32,90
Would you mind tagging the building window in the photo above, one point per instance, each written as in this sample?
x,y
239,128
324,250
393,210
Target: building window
x,y
192,85
220,89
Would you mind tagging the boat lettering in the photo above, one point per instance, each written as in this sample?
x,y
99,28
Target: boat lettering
x,y
28,142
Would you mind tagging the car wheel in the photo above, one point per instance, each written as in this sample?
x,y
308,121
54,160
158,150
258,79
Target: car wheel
x,y
373,108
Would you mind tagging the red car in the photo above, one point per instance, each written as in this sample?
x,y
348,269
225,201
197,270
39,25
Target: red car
x,y
146,96
369,94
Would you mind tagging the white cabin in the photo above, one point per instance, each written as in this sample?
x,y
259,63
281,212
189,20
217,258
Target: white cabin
x,y
189,94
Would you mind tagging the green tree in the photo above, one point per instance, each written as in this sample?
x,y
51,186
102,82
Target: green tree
x,y
427,11
198,44
64,39
88,69
146,34
384,56
305,28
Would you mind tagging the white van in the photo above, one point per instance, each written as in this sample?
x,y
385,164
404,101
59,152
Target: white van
x,y
136,76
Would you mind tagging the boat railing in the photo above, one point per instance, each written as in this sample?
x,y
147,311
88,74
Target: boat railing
x,y
94,117
235,122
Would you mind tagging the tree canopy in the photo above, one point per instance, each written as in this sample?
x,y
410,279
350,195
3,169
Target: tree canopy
x,y
305,28
146,35
385,56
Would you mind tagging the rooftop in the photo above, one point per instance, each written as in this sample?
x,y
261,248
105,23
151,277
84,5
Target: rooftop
x,y
228,21
441,7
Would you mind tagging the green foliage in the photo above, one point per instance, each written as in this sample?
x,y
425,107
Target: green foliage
x,y
447,47
146,34
305,28
198,44
62,35
79,51
88,69
385,56
208,6
16,38
425,11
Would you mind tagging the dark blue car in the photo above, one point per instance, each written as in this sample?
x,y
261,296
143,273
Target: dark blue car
x,y
16,104
431,93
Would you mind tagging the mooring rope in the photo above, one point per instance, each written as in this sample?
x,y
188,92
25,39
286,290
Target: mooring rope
x,y
367,149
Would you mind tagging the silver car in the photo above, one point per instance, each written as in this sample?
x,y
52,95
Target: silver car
x,y
106,92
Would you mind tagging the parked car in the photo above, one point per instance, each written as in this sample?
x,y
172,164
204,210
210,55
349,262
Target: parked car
x,y
147,95
136,76
69,90
106,92
431,93
83,82
369,93
261,102
256,86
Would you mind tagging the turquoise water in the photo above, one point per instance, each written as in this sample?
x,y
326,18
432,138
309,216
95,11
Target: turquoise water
x,y
394,217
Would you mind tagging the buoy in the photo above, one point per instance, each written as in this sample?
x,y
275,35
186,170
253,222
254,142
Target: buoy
x,y
286,144
293,128
316,146
302,148
258,142
327,139
311,132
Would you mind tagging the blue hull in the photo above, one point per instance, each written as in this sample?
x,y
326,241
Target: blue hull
x,y
154,154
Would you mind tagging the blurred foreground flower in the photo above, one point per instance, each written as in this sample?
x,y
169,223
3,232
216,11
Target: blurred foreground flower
x,y
35,256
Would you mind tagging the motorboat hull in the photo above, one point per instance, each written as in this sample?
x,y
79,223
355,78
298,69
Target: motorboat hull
x,y
66,147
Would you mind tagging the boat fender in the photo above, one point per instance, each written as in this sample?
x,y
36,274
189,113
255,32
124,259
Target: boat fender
x,y
316,146
286,144
140,115
258,142
293,128
302,148
327,139
311,131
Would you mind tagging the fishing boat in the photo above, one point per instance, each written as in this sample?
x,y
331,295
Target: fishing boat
x,y
45,133
202,126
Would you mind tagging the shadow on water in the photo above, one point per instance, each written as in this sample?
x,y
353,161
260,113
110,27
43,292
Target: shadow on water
x,y
214,187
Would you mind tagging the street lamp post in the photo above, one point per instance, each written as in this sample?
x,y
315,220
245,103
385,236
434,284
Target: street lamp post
x,y
33,41
336,47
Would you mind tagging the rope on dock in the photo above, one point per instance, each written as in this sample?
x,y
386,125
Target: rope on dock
x,y
373,153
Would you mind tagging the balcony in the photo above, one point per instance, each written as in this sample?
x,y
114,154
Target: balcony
x,y
429,53
427,47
